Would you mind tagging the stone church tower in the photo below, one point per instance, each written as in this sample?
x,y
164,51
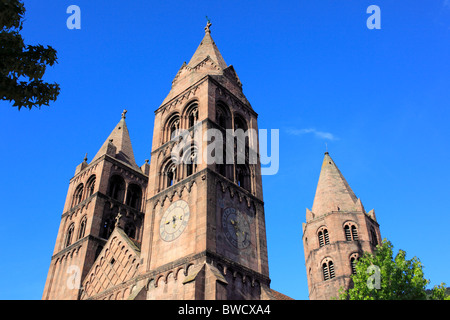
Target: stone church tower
x,y
336,233
107,192
181,226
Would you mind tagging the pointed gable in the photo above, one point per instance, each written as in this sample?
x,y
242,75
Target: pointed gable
x,y
119,139
207,48
207,60
117,263
333,193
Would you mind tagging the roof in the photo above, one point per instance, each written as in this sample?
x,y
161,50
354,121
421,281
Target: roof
x,y
120,138
207,48
279,296
333,193
206,61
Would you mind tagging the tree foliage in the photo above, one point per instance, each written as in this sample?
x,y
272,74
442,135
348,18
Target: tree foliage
x,y
381,276
23,66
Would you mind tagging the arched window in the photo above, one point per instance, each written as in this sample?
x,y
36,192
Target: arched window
x,y
172,127
328,270
77,195
323,237
348,235
190,159
134,196
240,123
82,227
353,260
90,185
351,232
169,174
354,233
69,235
192,115
223,117
116,188
373,237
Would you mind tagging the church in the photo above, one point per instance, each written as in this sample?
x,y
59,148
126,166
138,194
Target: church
x,y
179,228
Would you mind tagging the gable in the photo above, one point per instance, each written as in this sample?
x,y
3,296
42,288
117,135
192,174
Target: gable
x,y
117,263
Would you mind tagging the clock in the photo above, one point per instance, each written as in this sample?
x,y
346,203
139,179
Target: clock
x,y
174,220
236,228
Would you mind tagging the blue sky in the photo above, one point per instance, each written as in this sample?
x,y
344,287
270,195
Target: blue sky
x,y
312,69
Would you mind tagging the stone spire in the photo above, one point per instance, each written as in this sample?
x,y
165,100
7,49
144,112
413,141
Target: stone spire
x,y
119,139
333,193
207,60
207,48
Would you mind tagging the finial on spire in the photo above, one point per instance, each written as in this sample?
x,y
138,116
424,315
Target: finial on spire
x,y
85,158
124,113
208,25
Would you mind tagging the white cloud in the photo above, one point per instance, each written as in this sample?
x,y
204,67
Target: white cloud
x,y
318,134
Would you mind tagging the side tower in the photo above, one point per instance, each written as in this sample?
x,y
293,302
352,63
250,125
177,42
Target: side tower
x,y
336,233
204,234
107,192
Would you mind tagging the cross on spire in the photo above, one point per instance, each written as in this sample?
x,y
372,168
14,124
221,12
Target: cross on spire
x,y
124,113
208,25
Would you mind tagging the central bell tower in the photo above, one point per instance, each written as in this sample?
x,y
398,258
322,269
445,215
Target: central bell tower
x,y
204,233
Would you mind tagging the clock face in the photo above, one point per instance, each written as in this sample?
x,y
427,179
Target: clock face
x,y
236,228
174,220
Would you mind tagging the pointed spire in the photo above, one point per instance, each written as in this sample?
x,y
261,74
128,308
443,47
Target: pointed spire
x,y
333,192
207,48
119,139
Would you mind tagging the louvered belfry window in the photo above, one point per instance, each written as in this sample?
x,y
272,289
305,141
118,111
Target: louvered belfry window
x,y
324,239
348,235
354,233
353,264
326,274
321,243
331,268
325,235
351,232
328,270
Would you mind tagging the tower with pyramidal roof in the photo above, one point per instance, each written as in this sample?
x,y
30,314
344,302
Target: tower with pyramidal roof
x,y
105,201
337,232
185,229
